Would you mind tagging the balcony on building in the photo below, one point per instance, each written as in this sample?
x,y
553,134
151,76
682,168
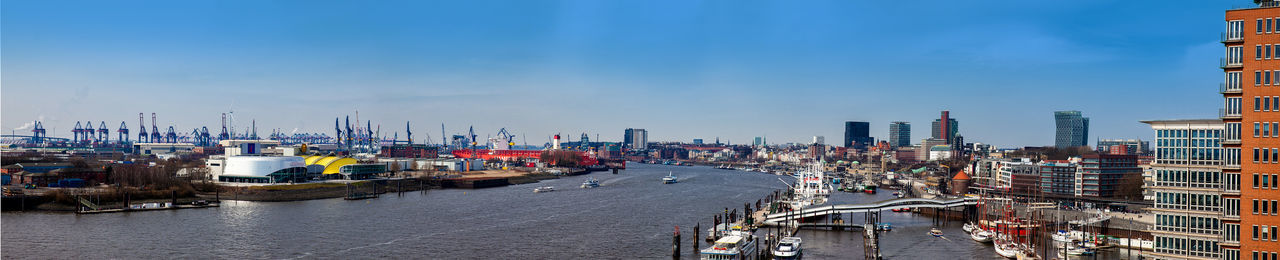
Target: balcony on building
x,y
1224,114
1224,88
1232,37
1223,63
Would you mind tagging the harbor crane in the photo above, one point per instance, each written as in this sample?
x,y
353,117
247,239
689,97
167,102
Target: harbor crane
x,y
142,129
155,130
123,133
103,132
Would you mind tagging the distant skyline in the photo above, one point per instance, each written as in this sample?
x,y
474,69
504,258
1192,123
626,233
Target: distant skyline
x,y
679,69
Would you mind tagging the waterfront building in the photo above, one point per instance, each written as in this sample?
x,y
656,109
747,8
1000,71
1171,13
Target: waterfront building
x,y
1249,157
636,138
940,152
1073,129
1019,176
857,134
1058,177
945,128
1124,146
1109,176
899,134
1187,190
257,169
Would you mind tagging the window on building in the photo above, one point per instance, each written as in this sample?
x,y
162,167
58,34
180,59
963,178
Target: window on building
x,y
1255,150
1255,232
1275,181
1255,212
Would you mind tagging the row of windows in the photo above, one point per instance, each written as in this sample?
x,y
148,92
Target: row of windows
x,y
1265,181
1230,254
1266,129
1266,155
1190,224
1260,207
1263,77
1193,179
1264,104
1188,201
1269,27
1265,255
1187,246
1267,233
1266,51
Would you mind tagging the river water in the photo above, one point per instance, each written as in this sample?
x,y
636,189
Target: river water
x,y
632,215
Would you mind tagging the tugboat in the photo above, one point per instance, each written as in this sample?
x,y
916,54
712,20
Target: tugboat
x,y
669,179
544,189
788,248
590,183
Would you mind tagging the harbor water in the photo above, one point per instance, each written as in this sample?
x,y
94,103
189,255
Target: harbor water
x,y
631,215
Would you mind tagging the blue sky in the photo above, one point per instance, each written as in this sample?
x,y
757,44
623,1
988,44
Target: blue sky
x,y
682,69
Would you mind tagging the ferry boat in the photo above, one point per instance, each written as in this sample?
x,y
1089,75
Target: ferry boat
x,y
733,247
788,248
669,179
590,183
544,189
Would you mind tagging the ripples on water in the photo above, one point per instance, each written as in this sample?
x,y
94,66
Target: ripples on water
x,y
632,215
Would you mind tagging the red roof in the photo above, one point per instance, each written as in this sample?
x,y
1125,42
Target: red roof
x,y
960,176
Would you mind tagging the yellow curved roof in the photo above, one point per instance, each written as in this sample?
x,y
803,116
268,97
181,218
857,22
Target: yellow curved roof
x,y
332,164
313,159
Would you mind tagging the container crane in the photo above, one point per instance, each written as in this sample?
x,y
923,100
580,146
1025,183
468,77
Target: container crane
x,y
224,135
103,132
155,130
76,132
142,129
123,133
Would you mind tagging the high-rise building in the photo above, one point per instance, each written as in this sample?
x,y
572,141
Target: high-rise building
x,y
1109,176
1188,188
1251,156
857,134
899,134
945,128
1058,177
1073,129
636,138
819,140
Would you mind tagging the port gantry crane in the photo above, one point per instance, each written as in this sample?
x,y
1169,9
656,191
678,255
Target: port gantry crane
x,y
142,129
123,133
155,130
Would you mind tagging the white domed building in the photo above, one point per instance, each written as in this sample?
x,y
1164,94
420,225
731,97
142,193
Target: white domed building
x,y
258,169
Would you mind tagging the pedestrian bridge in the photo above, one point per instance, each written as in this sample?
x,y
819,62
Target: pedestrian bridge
x,y
776,218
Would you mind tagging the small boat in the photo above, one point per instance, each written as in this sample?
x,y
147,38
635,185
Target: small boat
x,y
968,227
590,183
901,210
669,179
544,189
982,236
884,226
788,248
935,232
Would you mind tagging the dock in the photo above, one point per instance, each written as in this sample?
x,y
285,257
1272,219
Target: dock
x,y
174,207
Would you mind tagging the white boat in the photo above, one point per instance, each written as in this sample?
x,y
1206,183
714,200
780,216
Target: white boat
x,y
590,183
788,248
982,236
1006,248
544,189
968,227
669,179
811,187
731,247
935,232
